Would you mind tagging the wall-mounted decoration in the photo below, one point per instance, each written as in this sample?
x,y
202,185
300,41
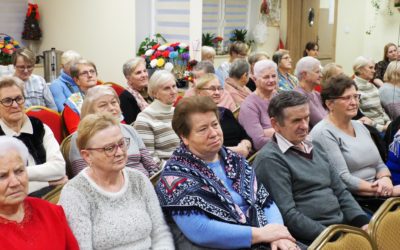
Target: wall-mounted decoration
x,y
274,16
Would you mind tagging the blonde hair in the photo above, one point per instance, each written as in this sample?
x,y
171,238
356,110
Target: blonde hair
x,y
203,80
329,71
130,65
91,125
69,56
94,94
207,53
26,54
392,74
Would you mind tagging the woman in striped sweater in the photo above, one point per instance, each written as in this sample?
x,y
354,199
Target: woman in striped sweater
x,y
154,123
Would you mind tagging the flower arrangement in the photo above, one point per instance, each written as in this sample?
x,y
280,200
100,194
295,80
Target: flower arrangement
x,y
7,47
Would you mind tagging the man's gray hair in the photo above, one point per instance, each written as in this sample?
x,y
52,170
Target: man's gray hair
x,y
283,100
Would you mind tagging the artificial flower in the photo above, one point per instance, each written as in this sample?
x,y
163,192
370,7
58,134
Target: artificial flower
x,y
160,62
149,52
153,63
162,47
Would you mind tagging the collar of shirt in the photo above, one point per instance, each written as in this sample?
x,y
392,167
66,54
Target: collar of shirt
x,y
26,128
284,145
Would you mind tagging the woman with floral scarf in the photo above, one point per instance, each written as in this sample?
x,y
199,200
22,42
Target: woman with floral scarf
x,y
211,193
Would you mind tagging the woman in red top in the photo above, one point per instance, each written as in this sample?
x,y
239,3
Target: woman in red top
x,y
27,222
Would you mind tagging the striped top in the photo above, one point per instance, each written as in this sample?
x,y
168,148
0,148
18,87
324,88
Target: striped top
x,y
370,103
154,127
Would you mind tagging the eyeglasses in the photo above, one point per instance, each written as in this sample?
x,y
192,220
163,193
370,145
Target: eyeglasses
x,y
23,68
8,102
110,150
286,58
86,73
213,88
348,98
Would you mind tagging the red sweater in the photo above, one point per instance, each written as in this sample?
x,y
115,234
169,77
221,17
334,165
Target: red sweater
x,y
44,227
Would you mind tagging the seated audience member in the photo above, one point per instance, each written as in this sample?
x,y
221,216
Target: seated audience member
x,y
389,55
27,222
307,189
252,115
36,91
235,137
308,71
393,161
208,54
153,124
311,49
253,58
389,92
134,99
286,81
104,99
229,210
84,74
236,50
370,104
64,86
352,152
201,68
46,165
235,84
109,206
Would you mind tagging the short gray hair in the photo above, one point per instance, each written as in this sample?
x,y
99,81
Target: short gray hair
x,y
306,64
9,143
360,63
130,65
206,52
260,66
157,79
283,100
69,56
75,67
9,81
206,66
238,68
93,94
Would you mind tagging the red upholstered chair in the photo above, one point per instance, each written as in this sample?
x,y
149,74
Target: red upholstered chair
x,y
118,88
49,117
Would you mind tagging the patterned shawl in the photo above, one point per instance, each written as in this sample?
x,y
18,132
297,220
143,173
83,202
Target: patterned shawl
x,y
188,185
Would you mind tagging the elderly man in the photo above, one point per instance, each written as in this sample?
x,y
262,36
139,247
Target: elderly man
x,y
308,71
64,86
307,190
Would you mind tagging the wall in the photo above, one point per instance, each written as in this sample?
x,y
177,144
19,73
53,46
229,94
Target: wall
x,y
99,30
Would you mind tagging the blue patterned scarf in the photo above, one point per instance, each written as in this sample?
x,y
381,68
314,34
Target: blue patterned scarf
x,y
188,185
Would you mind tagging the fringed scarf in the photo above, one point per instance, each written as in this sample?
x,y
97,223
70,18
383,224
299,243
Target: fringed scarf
x,y
188,185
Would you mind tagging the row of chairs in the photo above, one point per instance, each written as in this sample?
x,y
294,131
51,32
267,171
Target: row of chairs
x,y
383,230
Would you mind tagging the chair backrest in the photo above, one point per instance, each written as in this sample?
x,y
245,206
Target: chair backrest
x,y
340,236
118,88
251,158
155,177
54,195
49,117
384,226
65,148
236,112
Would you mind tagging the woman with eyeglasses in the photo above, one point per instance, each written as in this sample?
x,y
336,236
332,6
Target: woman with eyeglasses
x,y
46,165
36,91
84,74
109,206
349,146
235,137
286,81
104,99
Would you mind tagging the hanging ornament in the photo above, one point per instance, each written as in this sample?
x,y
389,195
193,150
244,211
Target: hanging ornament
x,y
31,26
264,8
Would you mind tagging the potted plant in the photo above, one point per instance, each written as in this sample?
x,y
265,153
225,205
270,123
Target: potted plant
x,y
207,39
239,35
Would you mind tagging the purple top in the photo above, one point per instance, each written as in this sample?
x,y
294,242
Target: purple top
x,y
317,111
253,117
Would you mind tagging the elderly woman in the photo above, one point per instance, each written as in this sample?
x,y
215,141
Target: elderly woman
x,y
27,222
287,81
350,147
311,49
236,50
389,92
308,70
223,214
252,115
84,74
253,58
235,137
135,99
64,86
104,99
46,166
235,84
109,206
370,104
36,91
208,54
154,123
389,55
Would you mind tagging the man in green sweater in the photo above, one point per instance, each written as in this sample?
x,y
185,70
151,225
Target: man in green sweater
x,y
307,190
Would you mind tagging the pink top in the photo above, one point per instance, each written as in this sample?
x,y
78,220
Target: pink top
x,y
238,93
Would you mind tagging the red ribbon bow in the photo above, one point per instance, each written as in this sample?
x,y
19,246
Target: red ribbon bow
x,y
33,7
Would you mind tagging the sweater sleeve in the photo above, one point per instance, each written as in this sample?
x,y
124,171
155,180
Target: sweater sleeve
x,y
77,211
146,132
207,232
58,94
278,181
70,238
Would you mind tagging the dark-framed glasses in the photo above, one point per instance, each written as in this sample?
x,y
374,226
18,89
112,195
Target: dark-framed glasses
x,y
8,102
87,72
110,150
348,98
213,88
